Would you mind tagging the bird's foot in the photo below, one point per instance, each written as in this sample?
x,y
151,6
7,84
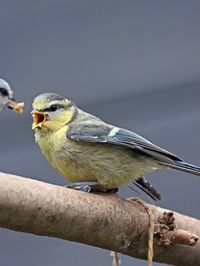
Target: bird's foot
x,y
83,186
111,190
91,186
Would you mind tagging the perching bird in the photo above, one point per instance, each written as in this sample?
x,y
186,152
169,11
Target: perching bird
x,y
97,155
6,94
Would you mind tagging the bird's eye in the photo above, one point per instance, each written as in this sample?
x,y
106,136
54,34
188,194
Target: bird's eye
x,y
53,108
4,91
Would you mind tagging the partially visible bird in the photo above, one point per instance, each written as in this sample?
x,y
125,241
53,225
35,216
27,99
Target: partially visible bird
x,y
6,98
97,155
6,94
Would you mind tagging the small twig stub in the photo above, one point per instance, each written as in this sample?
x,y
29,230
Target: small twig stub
x,y
168,234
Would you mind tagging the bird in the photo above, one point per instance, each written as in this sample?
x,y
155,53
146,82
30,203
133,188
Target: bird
x,y
7,100
6,94
95,155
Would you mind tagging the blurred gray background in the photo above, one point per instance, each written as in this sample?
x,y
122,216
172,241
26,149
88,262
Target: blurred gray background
x,y
135,64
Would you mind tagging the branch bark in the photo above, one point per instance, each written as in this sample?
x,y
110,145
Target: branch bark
x,y
100,220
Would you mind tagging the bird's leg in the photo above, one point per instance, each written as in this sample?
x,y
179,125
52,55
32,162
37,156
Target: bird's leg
x,y
83,186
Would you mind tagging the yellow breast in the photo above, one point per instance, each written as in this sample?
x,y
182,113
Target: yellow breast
x,y
61,154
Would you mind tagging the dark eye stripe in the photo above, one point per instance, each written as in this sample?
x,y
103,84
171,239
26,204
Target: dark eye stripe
x,y
58,106
4,91
50,109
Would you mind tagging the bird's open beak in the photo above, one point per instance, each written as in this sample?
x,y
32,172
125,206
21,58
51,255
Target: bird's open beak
x,y
38,119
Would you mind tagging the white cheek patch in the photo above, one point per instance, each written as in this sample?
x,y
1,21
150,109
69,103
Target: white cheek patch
x,y
113,132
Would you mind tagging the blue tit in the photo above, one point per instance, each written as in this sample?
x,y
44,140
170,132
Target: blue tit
x,y
88,151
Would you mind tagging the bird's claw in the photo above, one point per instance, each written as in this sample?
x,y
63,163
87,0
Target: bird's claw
x,y
80,188
83,186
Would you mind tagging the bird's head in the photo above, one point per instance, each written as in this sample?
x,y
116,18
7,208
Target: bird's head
x,y
51,112
6,94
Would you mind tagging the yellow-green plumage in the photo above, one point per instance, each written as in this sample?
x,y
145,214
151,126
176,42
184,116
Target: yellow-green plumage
x,y
82,148
111,165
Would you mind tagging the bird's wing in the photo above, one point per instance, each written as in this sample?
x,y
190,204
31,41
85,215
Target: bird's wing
x,y
122,137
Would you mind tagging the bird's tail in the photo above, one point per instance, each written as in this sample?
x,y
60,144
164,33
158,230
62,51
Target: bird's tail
x,y
186,167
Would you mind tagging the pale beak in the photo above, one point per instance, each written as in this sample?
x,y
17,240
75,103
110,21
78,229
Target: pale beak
x,y
38,119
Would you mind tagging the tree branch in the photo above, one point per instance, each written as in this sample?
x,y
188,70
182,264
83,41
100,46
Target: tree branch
x,y
100,220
